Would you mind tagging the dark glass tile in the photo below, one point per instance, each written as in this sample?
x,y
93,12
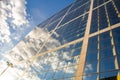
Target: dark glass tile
x,y
117,3
90,77
105,53
105,35
91,56
113,17
59,74
102,18
107,64
109,75
91,67
49,75
105,43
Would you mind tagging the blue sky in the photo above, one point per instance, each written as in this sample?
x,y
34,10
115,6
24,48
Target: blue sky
x,y
40,10
19,17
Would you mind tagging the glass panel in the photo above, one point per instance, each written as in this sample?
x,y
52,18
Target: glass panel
x,y
54,65
94,23
90,77
90,67
71,31
105,53
112,14
107,64
116,31
93,39
78,45
109,75
117,40
62,64
76,59
76,52
91,56
59,73
105,35
95,3
49,75
117,3
116,35
61,13
118,56
105,43
102,18
70,71
52,26
68,78
100,2
92,47
41,75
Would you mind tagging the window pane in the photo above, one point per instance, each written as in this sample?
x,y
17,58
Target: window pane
x,y
105,35
90,67
117,3
91,56
94,22
59,73
113,16
76,52
109,75
102,18
92,47
107,64
49,75
70,71
90,77
119,60
105,43
105,53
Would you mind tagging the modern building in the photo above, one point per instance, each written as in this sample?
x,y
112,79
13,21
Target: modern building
x,y
81,42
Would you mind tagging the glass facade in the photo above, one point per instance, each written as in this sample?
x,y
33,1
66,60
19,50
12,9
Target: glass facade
x,y
81,42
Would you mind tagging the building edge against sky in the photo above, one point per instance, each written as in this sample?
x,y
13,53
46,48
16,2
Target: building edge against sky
x,y
81,42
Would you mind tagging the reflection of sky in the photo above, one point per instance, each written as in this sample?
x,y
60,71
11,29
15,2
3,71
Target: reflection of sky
x,y
48,63
14,25
16,18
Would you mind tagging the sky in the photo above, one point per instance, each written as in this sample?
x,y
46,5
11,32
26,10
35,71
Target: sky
x,y
19,17
43,9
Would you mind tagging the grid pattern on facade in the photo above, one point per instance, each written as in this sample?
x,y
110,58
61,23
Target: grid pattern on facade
x,y
57,56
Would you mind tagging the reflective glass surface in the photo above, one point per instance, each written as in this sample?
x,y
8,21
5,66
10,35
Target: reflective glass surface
x,y
58,65
91,67
107,64
109,75
90,77
71,31
113,16
117,2
50,51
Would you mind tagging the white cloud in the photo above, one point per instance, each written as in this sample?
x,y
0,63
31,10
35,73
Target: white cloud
x,y
18,12
4,29
13,21
29,47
